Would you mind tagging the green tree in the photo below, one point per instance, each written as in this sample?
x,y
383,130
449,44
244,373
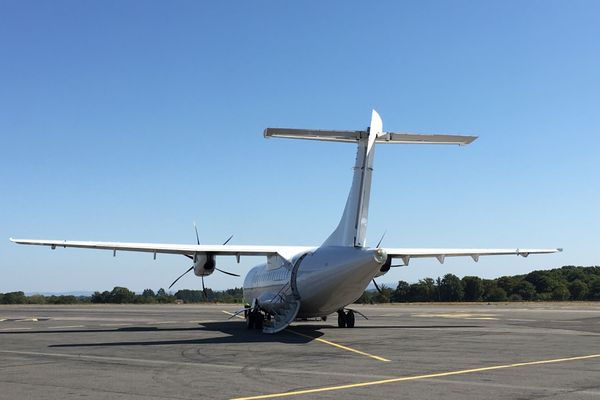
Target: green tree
x,y
450,288
579,289
594,292
473,286
121,295
384,295
424,290
496,294
560,293
401,292
507,283
366,297
544,281
525,290
15,298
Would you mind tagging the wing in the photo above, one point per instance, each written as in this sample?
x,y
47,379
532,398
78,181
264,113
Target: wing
x,y
441,254
185,249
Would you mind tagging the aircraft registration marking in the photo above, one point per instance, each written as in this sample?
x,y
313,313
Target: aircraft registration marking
x,y
416,377
328,342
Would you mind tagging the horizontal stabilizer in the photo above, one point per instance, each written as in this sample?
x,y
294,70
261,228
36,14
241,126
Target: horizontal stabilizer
x,y
316,134
355,136
416,138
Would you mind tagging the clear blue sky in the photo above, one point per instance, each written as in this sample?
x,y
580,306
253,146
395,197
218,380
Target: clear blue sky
x,y
128,120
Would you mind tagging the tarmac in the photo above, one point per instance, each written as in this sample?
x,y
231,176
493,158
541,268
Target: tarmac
x,y
413,351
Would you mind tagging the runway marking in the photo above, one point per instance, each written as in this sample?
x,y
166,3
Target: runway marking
x,y
66,326
114,324
520,319
232,314
14,329
457,315
339,346
416,377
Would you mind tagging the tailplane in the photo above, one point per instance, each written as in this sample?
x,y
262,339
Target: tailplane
x,y
352,228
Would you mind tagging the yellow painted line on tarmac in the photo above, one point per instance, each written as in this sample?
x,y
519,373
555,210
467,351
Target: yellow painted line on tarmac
x,y
416,377
330,343
15,329
456,315
65,327
339,346
485,318
232,314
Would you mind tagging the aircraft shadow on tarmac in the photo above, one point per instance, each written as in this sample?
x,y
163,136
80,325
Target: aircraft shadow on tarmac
x,y
236,333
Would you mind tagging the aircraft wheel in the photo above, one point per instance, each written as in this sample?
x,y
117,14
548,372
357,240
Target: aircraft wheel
x,y
350,319
250,320
258,320
341,319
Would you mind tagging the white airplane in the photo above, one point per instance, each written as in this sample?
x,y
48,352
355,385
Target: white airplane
x,y
313,282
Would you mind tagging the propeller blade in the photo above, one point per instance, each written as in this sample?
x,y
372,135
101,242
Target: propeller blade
x,y
180,276
204,289
381,240
228,273
227,241
197,237
377,286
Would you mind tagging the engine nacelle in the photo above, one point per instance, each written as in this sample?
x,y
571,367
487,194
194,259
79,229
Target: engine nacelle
x,y
204,264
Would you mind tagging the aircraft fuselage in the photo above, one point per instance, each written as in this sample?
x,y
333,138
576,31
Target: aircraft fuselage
x,y
325,280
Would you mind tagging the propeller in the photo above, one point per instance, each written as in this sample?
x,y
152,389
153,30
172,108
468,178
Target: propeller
x,y
377,287
194,259
181,276
381,240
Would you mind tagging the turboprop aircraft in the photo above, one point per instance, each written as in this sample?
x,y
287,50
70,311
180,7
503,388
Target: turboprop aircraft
x,y
312,282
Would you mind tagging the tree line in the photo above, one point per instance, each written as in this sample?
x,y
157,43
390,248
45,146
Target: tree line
x,y
122,295
566,283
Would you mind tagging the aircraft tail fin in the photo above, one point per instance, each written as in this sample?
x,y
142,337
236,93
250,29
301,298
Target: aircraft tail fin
x,y
352,228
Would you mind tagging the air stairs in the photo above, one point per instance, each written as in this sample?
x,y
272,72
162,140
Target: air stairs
x,y
285,312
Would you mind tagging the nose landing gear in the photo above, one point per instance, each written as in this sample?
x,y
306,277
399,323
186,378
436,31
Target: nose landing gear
x,y
345,318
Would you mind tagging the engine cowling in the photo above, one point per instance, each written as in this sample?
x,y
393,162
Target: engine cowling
x,y
204,264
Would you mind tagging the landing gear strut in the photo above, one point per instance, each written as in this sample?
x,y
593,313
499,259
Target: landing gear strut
x,y
345,319
254,318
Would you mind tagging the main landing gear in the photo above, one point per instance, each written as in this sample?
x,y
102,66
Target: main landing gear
x,y
345,318
254,318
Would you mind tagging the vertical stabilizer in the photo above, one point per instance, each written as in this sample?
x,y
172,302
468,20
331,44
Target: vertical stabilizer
x,y
352,228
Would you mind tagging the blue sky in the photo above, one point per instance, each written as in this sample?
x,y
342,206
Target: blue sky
x,y
127,121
